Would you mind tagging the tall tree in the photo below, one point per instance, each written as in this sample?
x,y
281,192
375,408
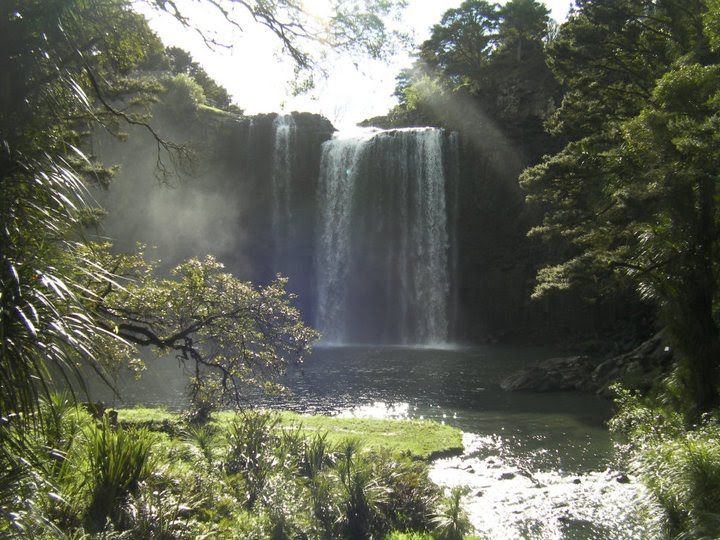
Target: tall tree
x,y
460,46
525,23
54,55
635,190
489,56
181,62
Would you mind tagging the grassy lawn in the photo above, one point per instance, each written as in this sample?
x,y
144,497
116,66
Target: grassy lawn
x,y
419,439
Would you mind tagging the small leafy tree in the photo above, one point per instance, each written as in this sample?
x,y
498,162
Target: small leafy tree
x,y
227,332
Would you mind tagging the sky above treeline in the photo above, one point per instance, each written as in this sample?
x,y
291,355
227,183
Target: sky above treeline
x,y
258,76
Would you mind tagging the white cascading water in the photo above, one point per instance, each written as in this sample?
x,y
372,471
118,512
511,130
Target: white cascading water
x,y
382,264
282,170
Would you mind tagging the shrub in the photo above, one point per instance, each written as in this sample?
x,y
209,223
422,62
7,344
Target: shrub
x,y
251,451
325,501
680,465
412,497
157,514
290,448
452,521
363,493
288,508
118,460
182,92
316,455
203,438
398,535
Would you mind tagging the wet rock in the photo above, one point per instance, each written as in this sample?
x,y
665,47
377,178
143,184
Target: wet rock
x,y
552,375
507,476
636,369
622,478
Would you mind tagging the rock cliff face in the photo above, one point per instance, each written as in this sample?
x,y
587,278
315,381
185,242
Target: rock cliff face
x,y
251,197
498,262
249,154
221,202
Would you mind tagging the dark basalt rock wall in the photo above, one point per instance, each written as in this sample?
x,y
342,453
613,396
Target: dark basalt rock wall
x,y
245,153
498,262
219,203
222,205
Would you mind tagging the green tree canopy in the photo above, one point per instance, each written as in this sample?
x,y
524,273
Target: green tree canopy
x,y
488,56
181,63
460,46
635,191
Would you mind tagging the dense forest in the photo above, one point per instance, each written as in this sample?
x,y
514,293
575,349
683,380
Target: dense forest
x,y
615,114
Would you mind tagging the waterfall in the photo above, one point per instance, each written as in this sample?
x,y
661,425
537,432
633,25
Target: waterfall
x,y
382,262
453,174
282,171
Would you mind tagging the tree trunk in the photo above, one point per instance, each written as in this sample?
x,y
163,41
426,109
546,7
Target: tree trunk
x,y
695,330
698,347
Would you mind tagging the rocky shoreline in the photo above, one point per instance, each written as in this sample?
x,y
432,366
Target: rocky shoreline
x,y
635,370
506,499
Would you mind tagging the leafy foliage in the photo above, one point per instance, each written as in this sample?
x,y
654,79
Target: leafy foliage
x,y
53,66
139,484
181,63
355,27
118,461
635,190
480,56
228,333
680,467
452,521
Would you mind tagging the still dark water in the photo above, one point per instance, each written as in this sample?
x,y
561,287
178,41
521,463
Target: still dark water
x,y
553,449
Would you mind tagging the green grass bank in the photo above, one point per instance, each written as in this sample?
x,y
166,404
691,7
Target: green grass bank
x,y
418,439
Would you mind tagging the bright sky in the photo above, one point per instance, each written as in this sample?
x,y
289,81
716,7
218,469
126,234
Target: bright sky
x,y
257,76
